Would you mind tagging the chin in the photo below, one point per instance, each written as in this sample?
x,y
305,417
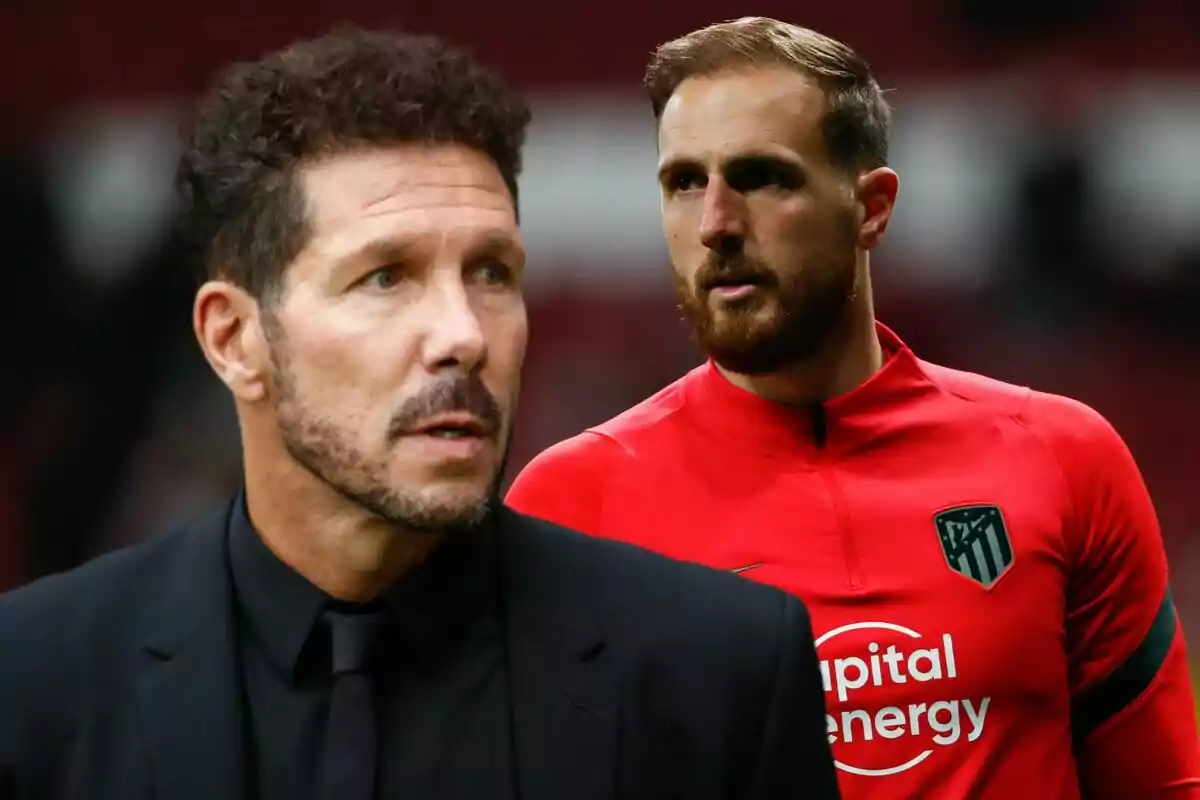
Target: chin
x,y
464,487
456,505
446,483
744,329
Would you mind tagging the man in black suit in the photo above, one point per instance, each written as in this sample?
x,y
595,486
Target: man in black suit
x,y
365,620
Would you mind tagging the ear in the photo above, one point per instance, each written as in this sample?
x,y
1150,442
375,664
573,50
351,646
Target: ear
x,y
227,322
877,196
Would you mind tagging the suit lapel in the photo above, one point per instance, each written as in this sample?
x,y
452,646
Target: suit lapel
x,y
565,700
190,696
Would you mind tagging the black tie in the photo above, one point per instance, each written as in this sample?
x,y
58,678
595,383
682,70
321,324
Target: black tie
x,y
351,745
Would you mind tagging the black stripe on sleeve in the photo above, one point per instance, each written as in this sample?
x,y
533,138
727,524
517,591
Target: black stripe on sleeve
x,y
1127,682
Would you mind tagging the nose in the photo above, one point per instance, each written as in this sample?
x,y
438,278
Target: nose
x,y
723,225
455,338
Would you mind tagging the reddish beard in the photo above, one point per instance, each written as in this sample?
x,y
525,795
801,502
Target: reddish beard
x,y
787,319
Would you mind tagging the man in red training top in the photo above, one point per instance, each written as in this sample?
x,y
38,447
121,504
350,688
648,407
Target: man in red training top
x,y
982,562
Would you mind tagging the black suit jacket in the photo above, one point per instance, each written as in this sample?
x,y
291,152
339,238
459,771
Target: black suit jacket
x,y
631,676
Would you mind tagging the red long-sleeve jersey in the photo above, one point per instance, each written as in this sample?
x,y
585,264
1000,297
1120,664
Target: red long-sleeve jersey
x,y
982,563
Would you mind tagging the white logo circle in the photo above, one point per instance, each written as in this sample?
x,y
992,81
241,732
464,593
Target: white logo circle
x,y
857,626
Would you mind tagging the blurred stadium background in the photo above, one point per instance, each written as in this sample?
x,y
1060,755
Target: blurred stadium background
x,y
1046,232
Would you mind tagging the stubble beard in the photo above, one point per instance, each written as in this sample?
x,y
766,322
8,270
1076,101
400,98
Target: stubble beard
x,y
326,450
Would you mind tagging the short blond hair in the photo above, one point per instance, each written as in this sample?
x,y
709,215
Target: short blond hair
x,y
857,119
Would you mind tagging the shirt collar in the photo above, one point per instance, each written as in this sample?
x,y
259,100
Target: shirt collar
x,y
850,419
431,606
278,605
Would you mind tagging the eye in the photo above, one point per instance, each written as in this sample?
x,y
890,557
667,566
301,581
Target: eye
x,y
751,174
383,278
685,180
491,272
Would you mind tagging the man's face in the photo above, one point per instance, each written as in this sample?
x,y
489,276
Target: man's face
x,y
398,338
761,228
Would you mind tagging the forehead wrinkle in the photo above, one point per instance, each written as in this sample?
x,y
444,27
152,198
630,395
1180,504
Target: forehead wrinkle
x,y
435,196
416,233
338,188
408,215
358,200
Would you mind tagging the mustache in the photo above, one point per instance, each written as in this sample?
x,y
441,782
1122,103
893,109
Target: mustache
x,y
461,394
722,269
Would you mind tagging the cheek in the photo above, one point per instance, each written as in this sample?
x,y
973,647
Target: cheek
x,y
317,341
507,332
329,357
686,251
681,223
353,375
338,364
791,231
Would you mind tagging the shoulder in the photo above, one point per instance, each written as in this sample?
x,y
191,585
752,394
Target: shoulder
x,y
648,596
1057,418
1072,428
589,454
567,481
63,636
647,418
711,663
73,639
89,610
618,438
1105,500
1082,443
77,593
989,395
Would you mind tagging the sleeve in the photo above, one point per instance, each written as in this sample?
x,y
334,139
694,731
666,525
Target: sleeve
x,y
794,757
564,484
1132,708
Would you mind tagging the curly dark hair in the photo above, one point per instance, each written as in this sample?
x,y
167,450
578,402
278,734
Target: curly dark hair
x,y
242,210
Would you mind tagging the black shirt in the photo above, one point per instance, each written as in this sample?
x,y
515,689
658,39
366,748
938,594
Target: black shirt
x,y
445,716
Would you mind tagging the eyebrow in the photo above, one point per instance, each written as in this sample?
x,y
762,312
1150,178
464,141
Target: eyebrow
x,y
675,166
496,243
396,251
384,252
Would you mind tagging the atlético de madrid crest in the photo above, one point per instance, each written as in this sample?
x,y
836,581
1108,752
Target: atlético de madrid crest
x,y
975,542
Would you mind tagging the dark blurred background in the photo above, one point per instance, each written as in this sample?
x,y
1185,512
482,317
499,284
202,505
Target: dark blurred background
x,y
1046,232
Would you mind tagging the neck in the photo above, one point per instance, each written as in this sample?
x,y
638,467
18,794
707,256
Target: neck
x,y
337,546
848,357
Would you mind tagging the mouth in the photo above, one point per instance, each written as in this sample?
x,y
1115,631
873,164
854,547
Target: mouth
x,y
734,280
453,426
734,288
